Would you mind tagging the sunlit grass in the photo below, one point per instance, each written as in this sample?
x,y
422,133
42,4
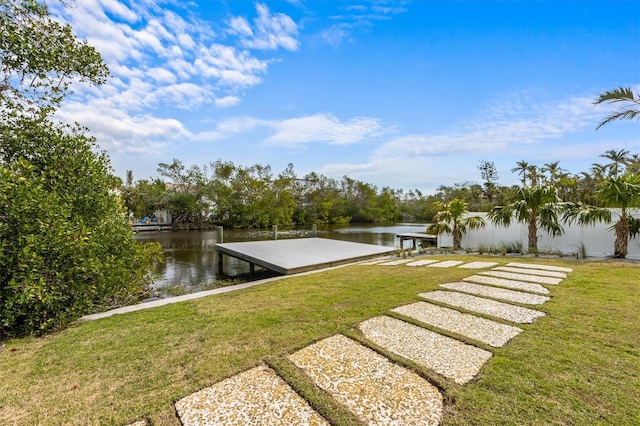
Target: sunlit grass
x,y
578,365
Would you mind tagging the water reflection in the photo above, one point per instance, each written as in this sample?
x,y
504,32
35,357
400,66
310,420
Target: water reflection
x,y
191,261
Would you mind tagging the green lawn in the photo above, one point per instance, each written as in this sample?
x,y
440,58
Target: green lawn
x,y
578,365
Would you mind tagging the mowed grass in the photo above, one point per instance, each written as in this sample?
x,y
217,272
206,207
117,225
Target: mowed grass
x,y
578,365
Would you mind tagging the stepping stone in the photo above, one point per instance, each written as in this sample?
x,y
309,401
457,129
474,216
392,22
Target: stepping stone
x,y
478,265
540,272
481,329
422,262
395,262
523,277
543,267
256,397
501,282
492,308
369,385
446,264
444,355
373,262
497,293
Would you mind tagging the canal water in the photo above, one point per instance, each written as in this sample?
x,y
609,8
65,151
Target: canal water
x,y
190,260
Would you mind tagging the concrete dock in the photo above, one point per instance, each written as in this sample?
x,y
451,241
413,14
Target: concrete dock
x,y
299,255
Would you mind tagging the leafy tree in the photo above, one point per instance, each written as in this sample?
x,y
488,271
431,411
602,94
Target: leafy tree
x,y
624,95
619,189
452,218
489,174
65,246
538,207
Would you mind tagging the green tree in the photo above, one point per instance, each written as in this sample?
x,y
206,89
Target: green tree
x,y
65,247
624,95
621,192
539,207
452,218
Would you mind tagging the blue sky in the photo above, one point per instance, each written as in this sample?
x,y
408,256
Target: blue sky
x,y
405,94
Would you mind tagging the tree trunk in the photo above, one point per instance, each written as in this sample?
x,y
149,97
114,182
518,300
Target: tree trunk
x,y
457,238
533,236
622,237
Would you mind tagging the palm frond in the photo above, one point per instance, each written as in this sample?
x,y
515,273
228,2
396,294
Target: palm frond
x,y
620,94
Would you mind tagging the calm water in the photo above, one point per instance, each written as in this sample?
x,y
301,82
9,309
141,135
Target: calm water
x,y
190,259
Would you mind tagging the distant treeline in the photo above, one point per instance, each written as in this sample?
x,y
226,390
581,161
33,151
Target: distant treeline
x,y
223,193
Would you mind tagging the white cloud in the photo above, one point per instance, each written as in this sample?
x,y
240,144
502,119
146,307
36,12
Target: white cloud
x,y
323,128
227,101
271,32
511,123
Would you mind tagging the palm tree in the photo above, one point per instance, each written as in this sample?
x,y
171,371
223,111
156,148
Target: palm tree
x,y
620,94
522,169
616,191
619,160
538,207
452,218
555,172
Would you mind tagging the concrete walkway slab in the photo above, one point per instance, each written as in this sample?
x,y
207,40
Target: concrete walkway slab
x,y
374,389
523,277
446,356
497,293
501,282
542,267
539,272
478,265
484,306
395,262
446,264
256,397
422,262
481,329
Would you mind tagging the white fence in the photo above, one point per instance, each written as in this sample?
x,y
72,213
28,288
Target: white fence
x,y
598,240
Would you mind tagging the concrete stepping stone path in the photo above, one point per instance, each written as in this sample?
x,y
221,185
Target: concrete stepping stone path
x,y
369,385
422,262
497,293
523,277
256,397
394,262
542,267
484,306
446,264
444,355
531,271
501,282
478,265
481,329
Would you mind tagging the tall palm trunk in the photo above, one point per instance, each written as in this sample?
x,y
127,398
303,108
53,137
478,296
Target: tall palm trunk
x,y
533,235
457,237
622,236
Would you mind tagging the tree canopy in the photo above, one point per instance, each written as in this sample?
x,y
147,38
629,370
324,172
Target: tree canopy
x,y
65,247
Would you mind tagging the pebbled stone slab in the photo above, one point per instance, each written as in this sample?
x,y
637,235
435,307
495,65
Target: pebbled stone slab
x,y
478,265
540,272
368,384
422,262
256,397
542,267
484,306
481,329
394,262
501,282
446,264
449,357
497,293
523,277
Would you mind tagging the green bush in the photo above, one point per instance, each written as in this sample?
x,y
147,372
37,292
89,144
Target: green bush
x,y
65,247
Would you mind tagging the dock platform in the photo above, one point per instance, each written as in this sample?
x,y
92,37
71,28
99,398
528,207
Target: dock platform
x,y
301,254
417,236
